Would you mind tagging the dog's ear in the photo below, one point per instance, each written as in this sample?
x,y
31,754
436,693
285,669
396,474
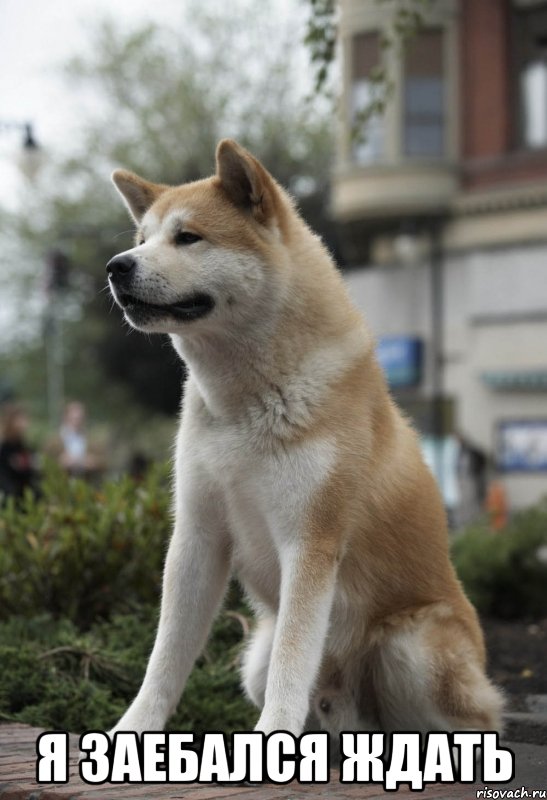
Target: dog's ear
x,y
246,182
138,194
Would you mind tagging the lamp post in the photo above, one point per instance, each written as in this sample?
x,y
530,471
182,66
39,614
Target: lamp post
x,y
29,142
437,345
31,156
26,128
57,282
408,252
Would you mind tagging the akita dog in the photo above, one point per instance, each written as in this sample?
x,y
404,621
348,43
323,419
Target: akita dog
x,y
296,472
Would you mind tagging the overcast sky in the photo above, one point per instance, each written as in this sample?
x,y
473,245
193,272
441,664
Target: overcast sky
x,y
36,38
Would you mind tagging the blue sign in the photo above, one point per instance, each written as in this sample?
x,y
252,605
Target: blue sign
x,y
522,445
401,358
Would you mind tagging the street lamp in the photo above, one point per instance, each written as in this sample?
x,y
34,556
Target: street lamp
x,y
29,142
30,161
26,128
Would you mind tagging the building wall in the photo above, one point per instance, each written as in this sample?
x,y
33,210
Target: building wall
x,y
485,78
495,319
396,302
491,153
486,196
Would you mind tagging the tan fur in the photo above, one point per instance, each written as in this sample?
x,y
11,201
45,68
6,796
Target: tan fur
x,y
403,647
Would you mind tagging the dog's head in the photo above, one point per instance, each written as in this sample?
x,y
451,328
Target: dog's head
x,y
204,251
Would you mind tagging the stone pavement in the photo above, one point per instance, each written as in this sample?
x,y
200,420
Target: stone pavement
x,y
528,721
18,780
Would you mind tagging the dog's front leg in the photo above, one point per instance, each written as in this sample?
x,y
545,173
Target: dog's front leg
x,y
195,578
308,574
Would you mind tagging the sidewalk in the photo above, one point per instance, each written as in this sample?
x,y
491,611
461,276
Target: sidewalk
x,y
17,780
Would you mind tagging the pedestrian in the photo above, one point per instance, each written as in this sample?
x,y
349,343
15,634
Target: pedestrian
x,y
472,465
18,468
75,454
496,504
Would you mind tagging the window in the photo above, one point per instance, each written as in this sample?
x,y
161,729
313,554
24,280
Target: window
x,y
424,100
367,137
530,38
534,104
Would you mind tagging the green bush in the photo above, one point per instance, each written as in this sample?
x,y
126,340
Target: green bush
x,y
84,553
80,576
54,676
503,572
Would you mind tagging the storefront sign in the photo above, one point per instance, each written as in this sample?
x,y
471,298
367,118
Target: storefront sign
x,y
401,359
522,446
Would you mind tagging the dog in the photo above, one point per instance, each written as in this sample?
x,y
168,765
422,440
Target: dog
x,y
295,471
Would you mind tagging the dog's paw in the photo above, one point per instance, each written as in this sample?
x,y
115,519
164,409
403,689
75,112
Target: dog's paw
x,y
139,718
269,723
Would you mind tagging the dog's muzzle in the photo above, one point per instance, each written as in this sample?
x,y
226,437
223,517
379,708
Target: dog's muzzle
x,y
121,273
121,268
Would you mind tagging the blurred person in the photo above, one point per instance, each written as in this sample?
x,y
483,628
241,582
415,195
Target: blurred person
x,y
471,474
139,464
18,470
496,504
74,451
441,456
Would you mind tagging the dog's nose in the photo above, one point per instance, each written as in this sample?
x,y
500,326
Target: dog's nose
x,y
120,266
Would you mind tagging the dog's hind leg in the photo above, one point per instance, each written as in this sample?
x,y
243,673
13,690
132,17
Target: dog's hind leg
x,y
429,674
256,660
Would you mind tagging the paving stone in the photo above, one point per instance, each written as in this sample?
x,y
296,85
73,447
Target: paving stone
x,y
537,703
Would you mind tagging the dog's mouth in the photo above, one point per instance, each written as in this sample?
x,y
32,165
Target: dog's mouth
x,y
188,308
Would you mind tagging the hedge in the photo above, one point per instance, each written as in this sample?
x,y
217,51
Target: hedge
x,y
84,553
504,573
80,583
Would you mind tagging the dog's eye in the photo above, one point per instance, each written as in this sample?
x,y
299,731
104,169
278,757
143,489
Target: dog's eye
x,y
141,241
185,237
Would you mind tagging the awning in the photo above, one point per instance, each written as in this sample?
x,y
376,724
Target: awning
x,y
529,380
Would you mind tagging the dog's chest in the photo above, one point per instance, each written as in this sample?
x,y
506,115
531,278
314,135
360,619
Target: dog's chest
x,y
267,489
267,497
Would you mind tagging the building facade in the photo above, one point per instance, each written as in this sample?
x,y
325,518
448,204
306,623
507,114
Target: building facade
x,y
442,202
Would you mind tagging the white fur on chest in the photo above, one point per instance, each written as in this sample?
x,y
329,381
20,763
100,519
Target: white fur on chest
x,y
276,485
267,492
